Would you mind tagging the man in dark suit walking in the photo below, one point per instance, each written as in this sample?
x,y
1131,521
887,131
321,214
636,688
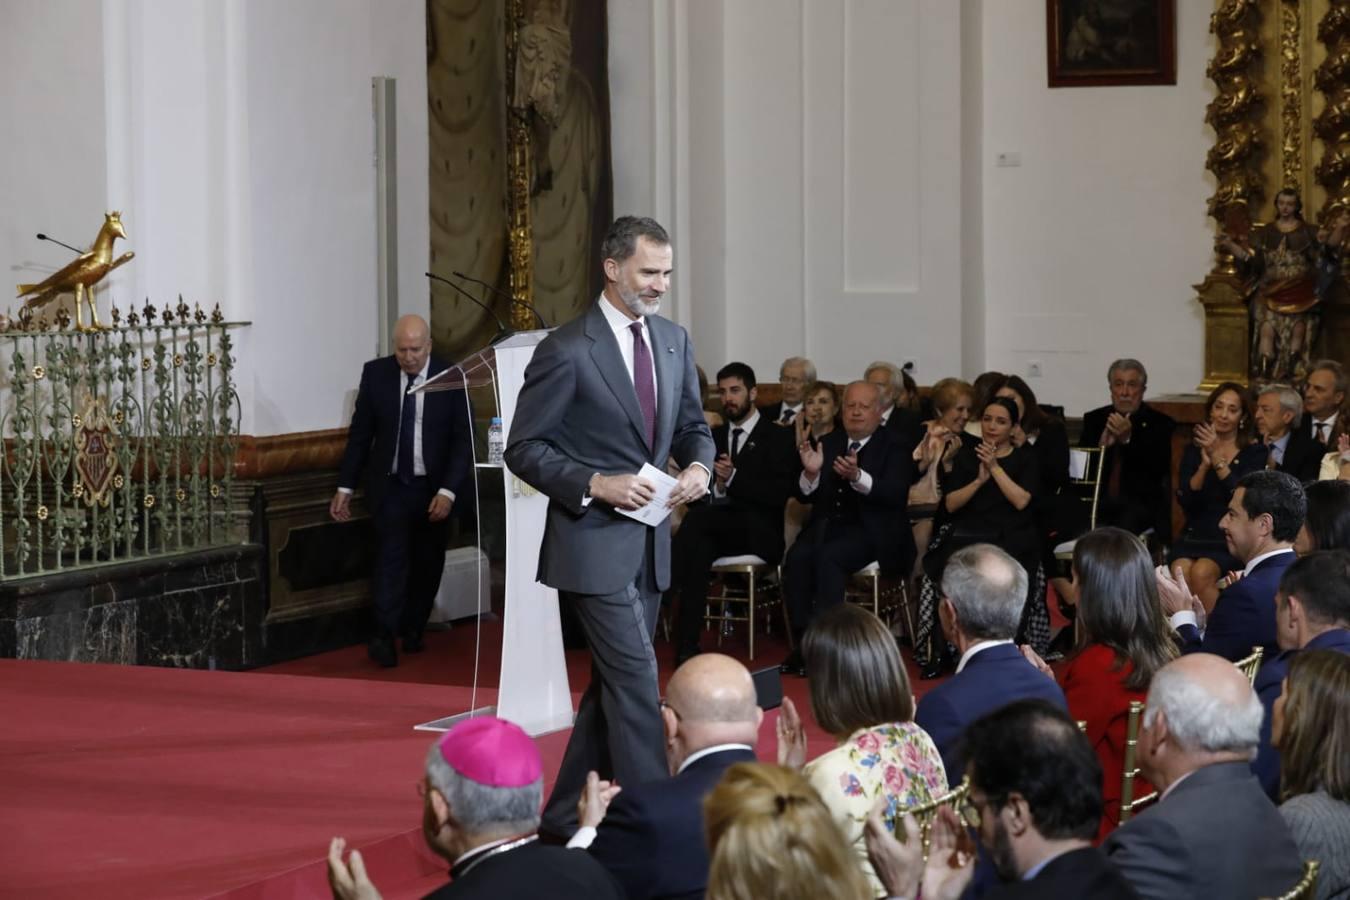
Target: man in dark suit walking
x,y
1263,518
755,470
1037,786
416,450
983,592
1212,833
650,836
1136,441
605,394
1279,415
857,481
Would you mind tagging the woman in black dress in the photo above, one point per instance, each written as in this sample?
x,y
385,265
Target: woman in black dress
x,y
986,499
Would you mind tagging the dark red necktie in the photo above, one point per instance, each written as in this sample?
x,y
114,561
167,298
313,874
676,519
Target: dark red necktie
x,y
643,382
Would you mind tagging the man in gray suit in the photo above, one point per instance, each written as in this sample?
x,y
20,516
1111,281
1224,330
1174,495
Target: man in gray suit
x,y
605,393
1213,832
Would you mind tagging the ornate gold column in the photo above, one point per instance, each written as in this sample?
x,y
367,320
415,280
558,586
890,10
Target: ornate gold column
x,y
518,173
1234,160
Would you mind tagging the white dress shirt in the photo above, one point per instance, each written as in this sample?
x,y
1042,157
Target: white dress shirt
x,y
619,324
750,424
419,465
1187,616
864,483
1329,424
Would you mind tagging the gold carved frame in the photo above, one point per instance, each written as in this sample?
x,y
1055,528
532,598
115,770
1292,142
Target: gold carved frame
x,y
1281,118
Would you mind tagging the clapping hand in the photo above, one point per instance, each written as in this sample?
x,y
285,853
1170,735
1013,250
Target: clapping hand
x,y
987,453
898,863
1117,431
951,857
594,800
348,880
1204,438
791,736
1173,591
846,466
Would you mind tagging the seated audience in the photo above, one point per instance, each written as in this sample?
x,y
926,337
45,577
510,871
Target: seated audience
x,y
1324,396
753,475
1279,412
1222,450
1035,786
481,795
935,455
1044,434
650,836
986,499
1312,612
857,481
1123,640
1213,832
1137,461
1327,523
898,419
860,695
983,592
984,384
1262,520
1336,463
769,835
820,412
794,376
1312,730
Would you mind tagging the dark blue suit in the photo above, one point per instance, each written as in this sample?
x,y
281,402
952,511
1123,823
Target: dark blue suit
x,y
652,838
1244,616
991,679
411,550
1266,766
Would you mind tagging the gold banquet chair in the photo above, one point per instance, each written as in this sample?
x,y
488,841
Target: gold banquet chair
x,y
739,604
883,596
1088,488
1251,663
1306,889
958,799
1130,771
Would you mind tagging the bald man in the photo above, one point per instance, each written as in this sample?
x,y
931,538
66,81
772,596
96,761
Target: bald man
x,y
416,452
651,835
1213,831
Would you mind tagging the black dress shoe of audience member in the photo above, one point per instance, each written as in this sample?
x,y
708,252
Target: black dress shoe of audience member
x,y
937,667
412,642
382,650
793,665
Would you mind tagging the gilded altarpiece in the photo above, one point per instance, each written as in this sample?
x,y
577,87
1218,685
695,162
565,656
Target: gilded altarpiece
x,y
1281,119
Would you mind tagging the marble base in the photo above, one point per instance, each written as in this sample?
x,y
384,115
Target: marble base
x,y
195,610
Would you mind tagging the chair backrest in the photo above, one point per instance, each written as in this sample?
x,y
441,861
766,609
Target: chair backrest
x,y
1306,888
1130,771
957,799
1249,664
1090,482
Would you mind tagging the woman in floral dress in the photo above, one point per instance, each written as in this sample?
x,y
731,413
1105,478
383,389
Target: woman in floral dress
x,y
861,696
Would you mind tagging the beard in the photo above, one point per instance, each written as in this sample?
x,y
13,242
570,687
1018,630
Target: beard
x,y
734,413
1001,853
637,305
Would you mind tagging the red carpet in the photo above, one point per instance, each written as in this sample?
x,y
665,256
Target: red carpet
x,y
124,782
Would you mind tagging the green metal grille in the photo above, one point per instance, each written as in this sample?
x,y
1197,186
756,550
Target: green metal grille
x,y
118,444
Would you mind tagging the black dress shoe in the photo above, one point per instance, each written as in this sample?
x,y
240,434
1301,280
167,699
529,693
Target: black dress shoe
x,y
412,643
382,651
934,669
793,665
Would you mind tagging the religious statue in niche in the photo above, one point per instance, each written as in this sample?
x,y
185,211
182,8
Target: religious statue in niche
x,y
1291,267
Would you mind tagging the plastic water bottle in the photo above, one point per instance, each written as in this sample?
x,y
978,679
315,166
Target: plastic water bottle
x,y
496,442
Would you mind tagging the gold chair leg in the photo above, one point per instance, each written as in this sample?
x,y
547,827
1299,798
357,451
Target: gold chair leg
x,y
750,616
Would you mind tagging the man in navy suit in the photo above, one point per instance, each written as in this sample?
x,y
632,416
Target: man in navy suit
x,y
416,450
1279,417
1312,612
650,836
1263,518
983,592
857,482
1212,833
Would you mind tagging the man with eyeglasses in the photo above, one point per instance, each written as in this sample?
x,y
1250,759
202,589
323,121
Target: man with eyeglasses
x,y
796,375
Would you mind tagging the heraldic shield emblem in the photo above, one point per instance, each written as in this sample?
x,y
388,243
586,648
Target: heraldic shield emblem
x,y
96,441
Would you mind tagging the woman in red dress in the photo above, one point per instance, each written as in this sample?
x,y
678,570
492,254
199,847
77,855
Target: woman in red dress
x,y
1123,639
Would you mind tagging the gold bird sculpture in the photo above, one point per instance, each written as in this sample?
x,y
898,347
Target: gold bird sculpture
x,y
81,274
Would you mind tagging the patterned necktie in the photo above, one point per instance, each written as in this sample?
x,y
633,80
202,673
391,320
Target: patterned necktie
x,y
1320,429
643,382
407,425
736,443
1271,462
786,418
855,447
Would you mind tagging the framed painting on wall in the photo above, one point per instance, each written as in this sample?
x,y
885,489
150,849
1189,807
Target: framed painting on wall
x,y
1092,43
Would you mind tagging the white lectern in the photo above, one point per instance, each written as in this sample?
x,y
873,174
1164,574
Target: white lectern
x,y
533,691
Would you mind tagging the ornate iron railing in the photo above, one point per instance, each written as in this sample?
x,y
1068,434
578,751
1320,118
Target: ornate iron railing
x,y
118,444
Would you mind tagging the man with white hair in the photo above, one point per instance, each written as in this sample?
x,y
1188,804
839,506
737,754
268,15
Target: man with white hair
x,y
795,376
1279,413
1213,832
899,421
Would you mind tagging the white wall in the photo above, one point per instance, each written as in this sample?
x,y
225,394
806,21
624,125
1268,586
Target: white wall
x,y
1092,245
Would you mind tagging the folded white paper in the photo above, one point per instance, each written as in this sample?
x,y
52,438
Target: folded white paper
x,y
655,512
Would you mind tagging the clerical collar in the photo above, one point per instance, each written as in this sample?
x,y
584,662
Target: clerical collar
x,y
468,861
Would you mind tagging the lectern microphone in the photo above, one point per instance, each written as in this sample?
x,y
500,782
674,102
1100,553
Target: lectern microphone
x,y
502,330
504,295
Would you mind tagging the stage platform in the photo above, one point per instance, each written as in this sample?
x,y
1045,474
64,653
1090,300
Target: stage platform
x,y
138,782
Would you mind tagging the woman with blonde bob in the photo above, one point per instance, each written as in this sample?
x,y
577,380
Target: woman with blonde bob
x,y
769,835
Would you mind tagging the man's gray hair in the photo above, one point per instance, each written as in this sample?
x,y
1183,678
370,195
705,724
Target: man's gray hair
x,y
621,240
893,376
478,808
1336,369
808,368
988,589
1127,365
1198,720
1290,401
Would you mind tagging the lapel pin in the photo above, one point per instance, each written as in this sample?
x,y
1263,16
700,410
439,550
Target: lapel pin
x,y
670,349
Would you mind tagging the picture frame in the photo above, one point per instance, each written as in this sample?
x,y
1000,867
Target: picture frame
x,y
1100,43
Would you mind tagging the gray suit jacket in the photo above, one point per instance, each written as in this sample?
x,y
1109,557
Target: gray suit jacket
x,y
1216,835
577,415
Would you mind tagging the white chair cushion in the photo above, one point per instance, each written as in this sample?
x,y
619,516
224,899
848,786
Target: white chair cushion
x,y
1065,550
871,568
748,559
